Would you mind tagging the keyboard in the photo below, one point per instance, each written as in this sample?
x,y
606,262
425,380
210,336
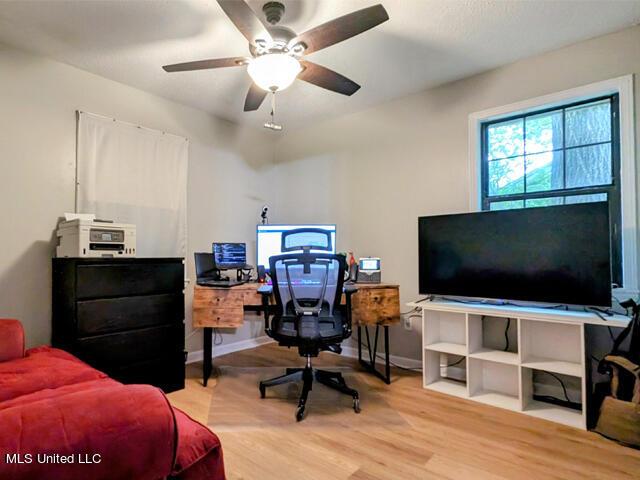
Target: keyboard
x,y
220,283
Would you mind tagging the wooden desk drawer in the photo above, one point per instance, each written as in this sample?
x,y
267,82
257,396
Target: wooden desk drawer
x,y
376,306
213,307
218,317
112,314
217,298
118,349
127,279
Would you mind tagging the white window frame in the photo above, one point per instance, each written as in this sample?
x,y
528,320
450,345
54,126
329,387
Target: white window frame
x,y
623,86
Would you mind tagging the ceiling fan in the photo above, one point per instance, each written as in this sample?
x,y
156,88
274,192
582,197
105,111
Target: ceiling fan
x,y
277,51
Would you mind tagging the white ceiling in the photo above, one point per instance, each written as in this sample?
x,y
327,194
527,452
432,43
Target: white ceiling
x,y
425,43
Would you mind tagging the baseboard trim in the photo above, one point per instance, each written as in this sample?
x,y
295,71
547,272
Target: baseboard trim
x,y
219,350
352,352
347,351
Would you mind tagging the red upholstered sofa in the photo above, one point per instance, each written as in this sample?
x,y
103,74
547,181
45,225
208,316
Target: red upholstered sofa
x,y
62,419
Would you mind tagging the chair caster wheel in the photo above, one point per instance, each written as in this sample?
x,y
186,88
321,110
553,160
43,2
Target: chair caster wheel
x,y
356,405
263,391
300,414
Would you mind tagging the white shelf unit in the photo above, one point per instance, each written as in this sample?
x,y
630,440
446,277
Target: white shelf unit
x,y
448,333
432,361
538,339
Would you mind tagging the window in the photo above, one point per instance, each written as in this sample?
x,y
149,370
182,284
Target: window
x,y
556,156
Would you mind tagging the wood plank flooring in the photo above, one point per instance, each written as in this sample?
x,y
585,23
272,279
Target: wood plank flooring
x,y
447,438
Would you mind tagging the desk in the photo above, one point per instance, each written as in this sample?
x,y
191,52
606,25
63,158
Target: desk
x,y
374,305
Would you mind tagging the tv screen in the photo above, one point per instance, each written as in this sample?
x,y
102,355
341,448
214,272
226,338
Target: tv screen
x,y
269,239
558,254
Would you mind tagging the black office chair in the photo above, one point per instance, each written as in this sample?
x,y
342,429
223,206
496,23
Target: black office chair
x,y
308,288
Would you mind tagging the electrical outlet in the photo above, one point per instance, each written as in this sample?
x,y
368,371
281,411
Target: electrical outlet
x,y
407,323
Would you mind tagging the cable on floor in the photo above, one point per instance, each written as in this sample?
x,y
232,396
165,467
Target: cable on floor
x,y
564,388
217,338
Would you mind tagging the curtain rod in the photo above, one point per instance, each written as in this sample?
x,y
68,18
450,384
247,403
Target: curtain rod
x,y
130,124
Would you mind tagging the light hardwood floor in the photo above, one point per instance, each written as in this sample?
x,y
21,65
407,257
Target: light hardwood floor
x,y
447,438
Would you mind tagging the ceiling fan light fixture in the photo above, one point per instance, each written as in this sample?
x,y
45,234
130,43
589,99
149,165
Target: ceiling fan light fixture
x,y
274,71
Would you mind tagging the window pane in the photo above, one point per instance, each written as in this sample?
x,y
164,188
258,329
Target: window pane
x,y
505,139
587,166
543,132
569,199
596,197
543,202
506,205
506,176
545,171
589,123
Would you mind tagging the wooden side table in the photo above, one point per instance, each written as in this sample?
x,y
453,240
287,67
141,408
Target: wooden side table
x,y
376,305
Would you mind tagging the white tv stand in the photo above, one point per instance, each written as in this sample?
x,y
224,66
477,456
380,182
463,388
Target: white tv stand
x,y
549,340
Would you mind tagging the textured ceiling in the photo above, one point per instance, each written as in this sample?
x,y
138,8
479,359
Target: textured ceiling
x,y
425,43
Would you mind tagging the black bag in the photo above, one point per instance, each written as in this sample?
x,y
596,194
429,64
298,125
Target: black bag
x,y
633,329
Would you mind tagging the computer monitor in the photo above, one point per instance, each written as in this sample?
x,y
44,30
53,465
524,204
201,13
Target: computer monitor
x,y
269,240
229,255
205,268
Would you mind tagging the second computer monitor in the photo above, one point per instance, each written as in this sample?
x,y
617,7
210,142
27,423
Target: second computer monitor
x,y
269,240
228,256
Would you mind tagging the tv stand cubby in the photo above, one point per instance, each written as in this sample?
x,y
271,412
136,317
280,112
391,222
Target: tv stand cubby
x,y
497,349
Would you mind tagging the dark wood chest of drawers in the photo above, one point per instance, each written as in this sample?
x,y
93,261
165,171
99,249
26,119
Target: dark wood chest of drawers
x,y
122,316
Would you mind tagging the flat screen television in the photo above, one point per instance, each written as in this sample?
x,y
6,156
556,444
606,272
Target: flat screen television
x,y
558,254
268,241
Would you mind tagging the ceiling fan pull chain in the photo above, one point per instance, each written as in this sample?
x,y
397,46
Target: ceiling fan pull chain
x,y
273,107
272,125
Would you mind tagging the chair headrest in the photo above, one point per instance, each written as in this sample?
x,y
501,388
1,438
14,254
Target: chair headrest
x,y
306,239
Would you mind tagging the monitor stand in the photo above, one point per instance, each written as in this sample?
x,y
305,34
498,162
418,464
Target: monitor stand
x,y
240,277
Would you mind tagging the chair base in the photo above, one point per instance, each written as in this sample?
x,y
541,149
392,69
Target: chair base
x,y
333,380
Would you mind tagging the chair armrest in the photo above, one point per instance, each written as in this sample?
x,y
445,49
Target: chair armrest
x,y
350,289
11,340
266,291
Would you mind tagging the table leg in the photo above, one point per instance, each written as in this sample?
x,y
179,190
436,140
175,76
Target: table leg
x,y
359,344
206,355
387,365
372,347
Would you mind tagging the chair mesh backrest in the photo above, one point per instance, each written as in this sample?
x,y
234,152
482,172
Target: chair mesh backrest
x,y
307,283
323,281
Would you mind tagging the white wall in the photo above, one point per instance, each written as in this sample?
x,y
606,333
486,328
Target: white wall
x,y
229,175
374,172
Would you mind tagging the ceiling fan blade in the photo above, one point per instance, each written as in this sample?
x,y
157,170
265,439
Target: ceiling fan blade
x,y
204,64
255,97
341,28
245,20
325,78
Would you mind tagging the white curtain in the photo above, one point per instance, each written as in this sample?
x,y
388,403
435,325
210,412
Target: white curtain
x,y
131,174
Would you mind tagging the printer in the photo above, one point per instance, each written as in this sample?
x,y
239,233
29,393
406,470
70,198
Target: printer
x,y
82,237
